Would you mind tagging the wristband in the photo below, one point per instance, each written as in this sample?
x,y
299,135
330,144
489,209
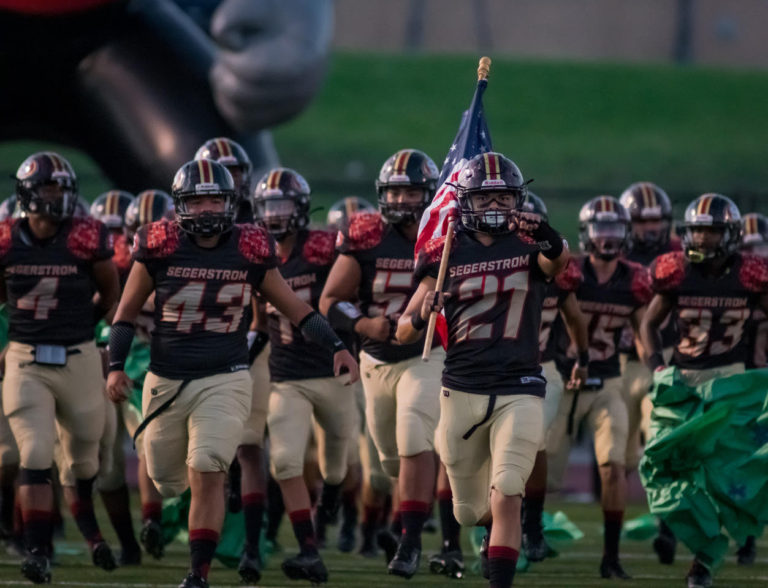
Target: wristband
x,y
316,329
120,339
583,359
549,241
417,322
343,316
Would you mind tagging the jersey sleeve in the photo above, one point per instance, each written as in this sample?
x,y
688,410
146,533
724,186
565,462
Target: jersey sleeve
x,y
122,256
364,231
428,259
319,248
89,239
570,278
753,274
640,285
667,272
6,237
257,246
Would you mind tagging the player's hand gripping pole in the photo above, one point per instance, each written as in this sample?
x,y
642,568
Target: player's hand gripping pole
x,y
438,288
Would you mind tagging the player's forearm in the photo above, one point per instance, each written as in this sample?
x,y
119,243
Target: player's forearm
x,y
409,329
651,342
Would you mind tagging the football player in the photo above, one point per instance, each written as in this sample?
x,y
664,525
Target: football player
x,y
303,383
52,264
110,208
709,289
613,294
754,240
492,385
197,394
231,155
148,206
402,409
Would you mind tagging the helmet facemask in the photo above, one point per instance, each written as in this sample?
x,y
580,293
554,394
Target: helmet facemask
x,y
55,199
207,223
478,213
699,252
404,212
605,239
279,216
649,239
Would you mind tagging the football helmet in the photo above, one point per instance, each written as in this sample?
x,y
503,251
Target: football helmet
x,y
110,208
281,202
754,234
409,168
341,210
41,169
645,201
533,203
604,228
483,176
717,212
231,155
199,179
147,207
10,208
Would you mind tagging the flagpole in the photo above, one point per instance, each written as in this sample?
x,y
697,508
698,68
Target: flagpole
x,y
482,74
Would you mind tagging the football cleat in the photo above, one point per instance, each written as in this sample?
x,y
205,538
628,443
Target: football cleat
x,y
746,554
665,545
698,576
102,556
347,539
611,568
485,566
448,563
36,568
151,538
305,567
130,557
406,561
250,566
535,547
194,581
387,541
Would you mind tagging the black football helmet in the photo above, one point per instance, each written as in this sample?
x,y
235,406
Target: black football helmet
x,y
199,179
281,202
9,208
341,210
110,208
147,207
41,169
408,168
231,155
489,173
715,211
533,203
754,234
645,201
604,228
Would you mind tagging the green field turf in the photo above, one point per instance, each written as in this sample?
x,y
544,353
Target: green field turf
x,y
576,566
578,129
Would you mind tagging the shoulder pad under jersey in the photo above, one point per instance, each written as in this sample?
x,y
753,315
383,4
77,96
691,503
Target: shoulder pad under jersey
x,y
84,239
122,256
571,277
319,248
6,235
157,239
667,271
255,243
641,282
365,231
753,273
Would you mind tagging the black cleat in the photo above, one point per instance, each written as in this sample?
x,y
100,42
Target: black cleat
x,y
406,561
611,568
130,557
485,566
535,547
449,562
194,581
102,556
746,554
306,567
347,539
698,576
387,541
665,545
151,538
249,567
36,568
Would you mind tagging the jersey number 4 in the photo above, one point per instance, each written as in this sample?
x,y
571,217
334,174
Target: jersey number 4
x,y
183,308
41,299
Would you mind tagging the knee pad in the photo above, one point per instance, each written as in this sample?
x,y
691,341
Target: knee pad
x,y
170,488
202,461
83,470
466,515
29,477
510,483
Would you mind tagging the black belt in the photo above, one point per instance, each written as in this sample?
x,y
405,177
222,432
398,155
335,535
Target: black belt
x,y
160,410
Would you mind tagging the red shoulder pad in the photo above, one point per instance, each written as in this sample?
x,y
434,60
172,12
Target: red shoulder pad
x,y
122,256
84,237
255,243
157,239
641,283
6,235
571,277
365,231
319,248
753,273
667,271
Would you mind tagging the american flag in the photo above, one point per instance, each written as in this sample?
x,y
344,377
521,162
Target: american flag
x,y
472,139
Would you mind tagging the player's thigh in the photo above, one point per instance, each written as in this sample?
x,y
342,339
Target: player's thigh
x,y
80,397
358,426
516,431
335,410
418,403
381,410
9,451
610,423
253,429
290,421
215,423
554,395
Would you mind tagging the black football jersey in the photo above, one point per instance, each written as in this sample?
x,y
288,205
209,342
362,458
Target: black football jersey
x,y
493,314
555,293
293,357
386,282
202,297
607,308
757,340
710,312
49,284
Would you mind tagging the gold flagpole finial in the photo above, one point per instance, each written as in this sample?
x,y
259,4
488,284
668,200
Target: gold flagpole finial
x,y
483,68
